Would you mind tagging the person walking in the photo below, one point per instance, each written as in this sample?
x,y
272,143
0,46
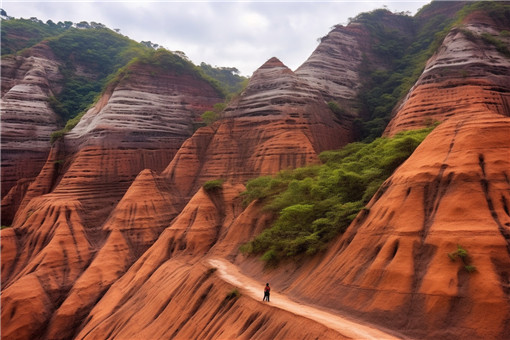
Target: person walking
x,y
267,289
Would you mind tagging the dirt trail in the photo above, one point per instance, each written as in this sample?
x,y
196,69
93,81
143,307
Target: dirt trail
x,y
254,289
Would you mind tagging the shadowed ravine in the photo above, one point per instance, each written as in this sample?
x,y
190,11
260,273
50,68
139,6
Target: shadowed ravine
x,y
351,329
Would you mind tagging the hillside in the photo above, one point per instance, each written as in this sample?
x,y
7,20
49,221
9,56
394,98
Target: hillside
x,y
54,74
115,225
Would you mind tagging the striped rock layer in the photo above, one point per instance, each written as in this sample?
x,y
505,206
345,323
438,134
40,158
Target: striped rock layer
x,y
111,238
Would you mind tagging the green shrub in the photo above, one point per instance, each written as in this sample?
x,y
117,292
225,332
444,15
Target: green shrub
x,y
336,109
71,123
233,294
209,117
313,204
213,185
18,34
470,268
462,254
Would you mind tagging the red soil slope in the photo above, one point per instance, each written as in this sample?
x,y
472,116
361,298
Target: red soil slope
x,y
392,264
106,246
467,71
28,81
86,222
60,225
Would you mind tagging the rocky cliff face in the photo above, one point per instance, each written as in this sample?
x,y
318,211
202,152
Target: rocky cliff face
x,y
392,264
28,80
111,238
402,276
138,124
470,73
91,219
279,122
333,67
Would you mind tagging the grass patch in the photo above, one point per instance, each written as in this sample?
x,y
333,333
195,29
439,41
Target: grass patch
x,y
462,254
314,204
214,185
233,294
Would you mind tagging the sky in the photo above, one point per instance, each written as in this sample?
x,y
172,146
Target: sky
x,y
241,34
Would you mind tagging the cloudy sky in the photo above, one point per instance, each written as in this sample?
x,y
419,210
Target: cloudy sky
x,y
242,34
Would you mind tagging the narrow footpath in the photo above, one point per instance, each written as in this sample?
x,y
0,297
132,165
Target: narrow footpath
x,y
231,274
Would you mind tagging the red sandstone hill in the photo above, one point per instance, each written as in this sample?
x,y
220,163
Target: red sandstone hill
x,y
111,238
392,265
27,83
138,124
91,221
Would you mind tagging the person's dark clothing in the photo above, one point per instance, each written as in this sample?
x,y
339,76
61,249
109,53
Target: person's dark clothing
x,y
267,289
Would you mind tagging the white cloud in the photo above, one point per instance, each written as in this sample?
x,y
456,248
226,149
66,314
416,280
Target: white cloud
x,y
236,34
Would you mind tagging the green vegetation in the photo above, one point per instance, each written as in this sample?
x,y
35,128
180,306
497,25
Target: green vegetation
x,y
402,45
233,294
501,46
18,34
71,123
499,11
403,56
98,51
209,117
213,185
4,227
316,203
336,109
228,76
462,254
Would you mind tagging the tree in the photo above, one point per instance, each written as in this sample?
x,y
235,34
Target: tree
x,y
83,24
209,117
97,25
149,44
181,54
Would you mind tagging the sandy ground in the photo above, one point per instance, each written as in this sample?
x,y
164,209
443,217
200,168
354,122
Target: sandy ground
x,y
231,274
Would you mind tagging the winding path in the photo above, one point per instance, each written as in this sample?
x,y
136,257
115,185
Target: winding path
x,y
231,274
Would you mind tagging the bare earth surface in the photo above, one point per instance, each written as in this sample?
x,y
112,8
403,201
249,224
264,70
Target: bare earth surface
x,y
230,273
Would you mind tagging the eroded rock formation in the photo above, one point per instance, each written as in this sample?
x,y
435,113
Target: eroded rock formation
x,y
278,122
110,240
60,225
392,264
452,191
28,80
469,72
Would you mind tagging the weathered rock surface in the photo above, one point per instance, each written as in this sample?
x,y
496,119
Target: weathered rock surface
x,y
453,190
27,119
109,240
469,73
333,68
64,221
278,122
392,264
169,292
155,110
195,300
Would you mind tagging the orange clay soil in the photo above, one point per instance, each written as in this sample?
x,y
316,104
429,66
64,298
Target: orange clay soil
x,y
346,327
392,266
